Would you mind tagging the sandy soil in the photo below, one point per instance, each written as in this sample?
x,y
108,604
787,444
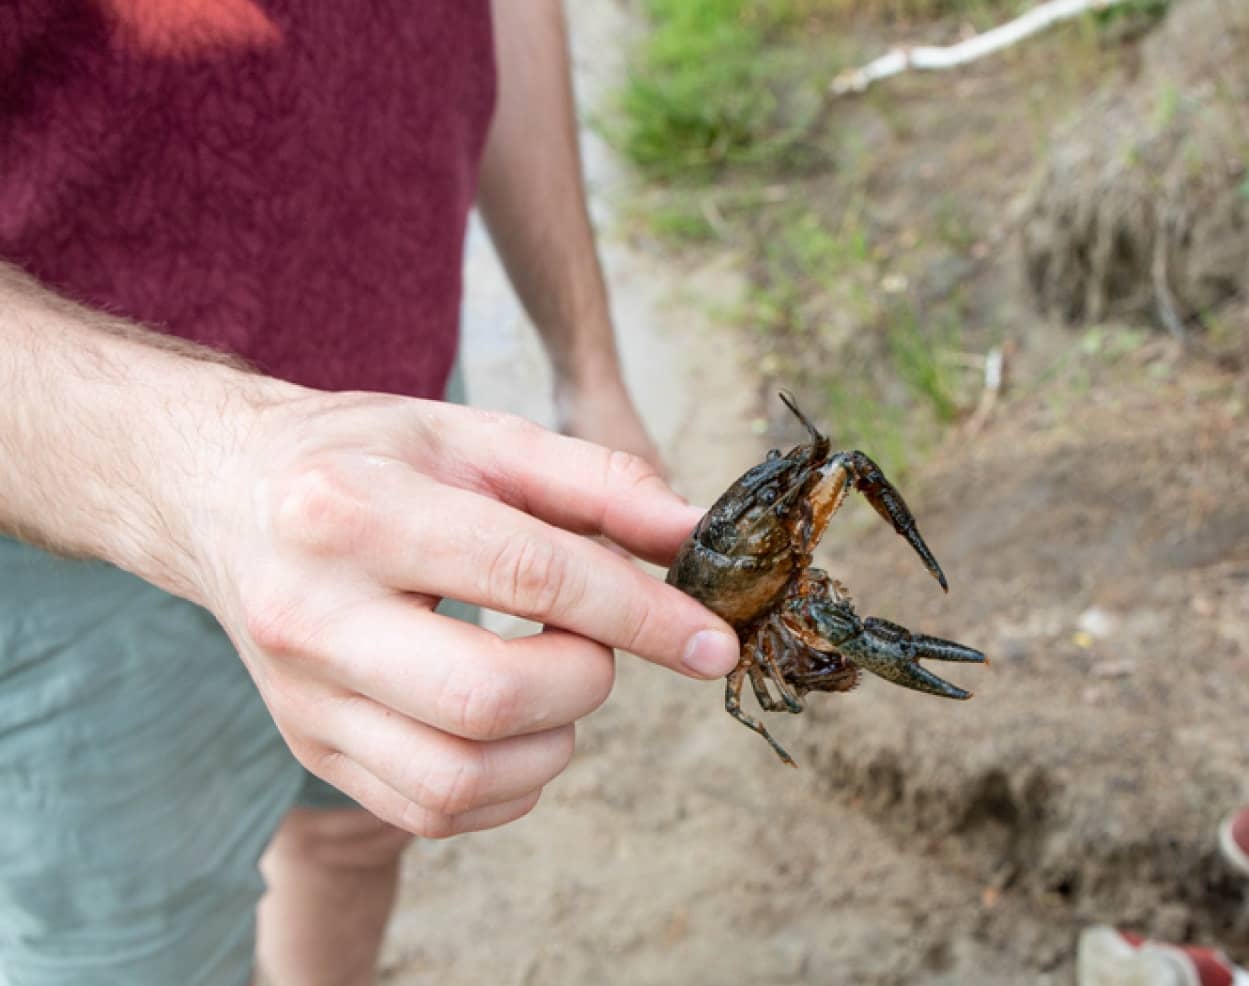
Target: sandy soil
x,y
1098,551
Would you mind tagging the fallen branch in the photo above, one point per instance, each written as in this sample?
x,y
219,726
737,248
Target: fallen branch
x,y
937,58
996,371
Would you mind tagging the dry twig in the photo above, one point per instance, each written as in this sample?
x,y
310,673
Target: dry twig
x,y
940,57
996,369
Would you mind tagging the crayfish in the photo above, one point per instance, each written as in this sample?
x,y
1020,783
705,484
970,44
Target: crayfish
x,y
749,561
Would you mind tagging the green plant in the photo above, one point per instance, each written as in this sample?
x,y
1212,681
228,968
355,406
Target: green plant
x,y
705,87
1167,106
917,360
981,13
694,96
1138,10
681,220
820,254
860,419
953,226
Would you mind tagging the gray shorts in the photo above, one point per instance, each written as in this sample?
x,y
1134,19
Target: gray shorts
x,y
141,778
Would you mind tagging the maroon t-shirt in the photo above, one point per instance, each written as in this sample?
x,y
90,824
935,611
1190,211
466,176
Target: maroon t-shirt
x,y
285,179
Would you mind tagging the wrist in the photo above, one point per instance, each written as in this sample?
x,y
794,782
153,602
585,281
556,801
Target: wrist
x,y
118,442
178,473
583,355
207,488
575,389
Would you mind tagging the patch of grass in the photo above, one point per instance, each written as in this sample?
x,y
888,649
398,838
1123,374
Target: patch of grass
x,y
810,254
980,13
860,419
1169,102
1100,353
681,221
718,83
812,277
822,253
886,372
701,91
772,308
953,227
897,429
1138,12
918,362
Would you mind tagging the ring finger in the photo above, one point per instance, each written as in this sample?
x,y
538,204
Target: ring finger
x,y
444,774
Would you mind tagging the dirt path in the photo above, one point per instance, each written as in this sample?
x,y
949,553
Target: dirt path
x,y
1100,553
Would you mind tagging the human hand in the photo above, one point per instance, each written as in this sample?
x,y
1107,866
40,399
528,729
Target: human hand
x,y
349,516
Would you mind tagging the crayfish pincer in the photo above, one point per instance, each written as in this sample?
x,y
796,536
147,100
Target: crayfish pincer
x,y
749,559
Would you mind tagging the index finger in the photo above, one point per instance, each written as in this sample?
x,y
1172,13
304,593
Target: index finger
x,y
473,548
415,534
572,484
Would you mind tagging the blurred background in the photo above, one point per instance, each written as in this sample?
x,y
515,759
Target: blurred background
x,y
1023,287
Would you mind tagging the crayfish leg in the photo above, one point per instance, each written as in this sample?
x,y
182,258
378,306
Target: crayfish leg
x,y
733,706
760,684
770,639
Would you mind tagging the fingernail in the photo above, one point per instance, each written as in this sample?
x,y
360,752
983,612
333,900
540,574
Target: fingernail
x,y
711,654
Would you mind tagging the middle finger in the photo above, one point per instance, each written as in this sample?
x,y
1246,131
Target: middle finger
x,y
462,679
444,774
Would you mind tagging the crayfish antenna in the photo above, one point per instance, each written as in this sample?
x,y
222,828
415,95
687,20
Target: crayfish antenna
x,y
788,399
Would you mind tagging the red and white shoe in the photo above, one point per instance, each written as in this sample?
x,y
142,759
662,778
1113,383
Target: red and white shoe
x,y
1234,840
1109,957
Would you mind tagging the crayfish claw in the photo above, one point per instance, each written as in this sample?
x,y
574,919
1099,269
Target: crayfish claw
x,y
892,652
888,502
946,650
921,679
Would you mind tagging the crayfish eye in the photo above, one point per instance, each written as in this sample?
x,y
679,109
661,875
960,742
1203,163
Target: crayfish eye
x,y
768,495
774,454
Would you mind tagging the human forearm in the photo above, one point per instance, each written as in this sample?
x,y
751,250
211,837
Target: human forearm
x,y
110,435
533,199
321,529
532,195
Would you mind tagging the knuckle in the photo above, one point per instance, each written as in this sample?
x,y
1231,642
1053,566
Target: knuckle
x,y
629,470
426,824
565,747
453,787
605,680
512,429
323,509
483,704
318,759
525,807
276,624
637,623
530,576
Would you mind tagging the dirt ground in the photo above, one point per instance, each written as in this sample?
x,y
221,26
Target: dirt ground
x,y
1096,539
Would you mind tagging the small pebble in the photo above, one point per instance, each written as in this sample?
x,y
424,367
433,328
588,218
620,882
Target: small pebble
x,y
1097,623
